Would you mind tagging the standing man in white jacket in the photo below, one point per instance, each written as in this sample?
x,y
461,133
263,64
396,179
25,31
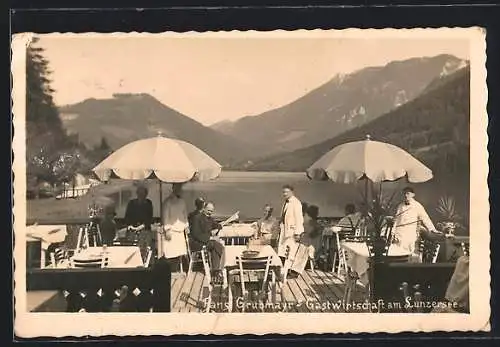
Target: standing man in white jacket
x,y
409,216
291,223
172,242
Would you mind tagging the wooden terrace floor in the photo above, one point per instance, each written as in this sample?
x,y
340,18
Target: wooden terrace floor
x,y
313,291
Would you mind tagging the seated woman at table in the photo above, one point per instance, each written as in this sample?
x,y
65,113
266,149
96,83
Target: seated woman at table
x,y
312,232
202,228
352,219
268,225
139,216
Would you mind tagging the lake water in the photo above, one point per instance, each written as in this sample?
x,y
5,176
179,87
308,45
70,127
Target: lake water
x,y
248,192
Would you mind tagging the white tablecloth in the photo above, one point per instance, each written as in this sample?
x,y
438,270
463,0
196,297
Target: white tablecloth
x,y
118,257
48,234
358,256
237,230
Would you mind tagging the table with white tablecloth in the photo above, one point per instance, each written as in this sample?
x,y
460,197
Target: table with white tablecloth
x,y
237,234
118,257
358,256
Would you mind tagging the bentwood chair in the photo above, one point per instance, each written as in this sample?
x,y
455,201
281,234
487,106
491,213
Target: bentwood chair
x,y
207,281
253,274
429,250
57,256
194,257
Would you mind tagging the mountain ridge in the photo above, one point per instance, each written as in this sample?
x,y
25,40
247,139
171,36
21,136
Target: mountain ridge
x,y
433,126
342,103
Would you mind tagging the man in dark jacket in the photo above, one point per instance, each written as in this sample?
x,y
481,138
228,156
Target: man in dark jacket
x,y
199,204
202,228
139,217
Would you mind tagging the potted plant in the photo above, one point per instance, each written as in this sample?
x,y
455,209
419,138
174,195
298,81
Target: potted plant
x,y
379,219
450,219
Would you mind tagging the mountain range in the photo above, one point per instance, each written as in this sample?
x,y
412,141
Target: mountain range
x,y
343,103
433,127
287,138
128,117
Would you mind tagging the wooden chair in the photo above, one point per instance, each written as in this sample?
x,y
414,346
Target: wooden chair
x,y
90,263
351,279
194,257
342,253
251,272
287,264
57,257
208,276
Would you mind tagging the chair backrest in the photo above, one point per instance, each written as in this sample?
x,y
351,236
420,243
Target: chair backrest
x,y
206,265
429,250
254,264
90,263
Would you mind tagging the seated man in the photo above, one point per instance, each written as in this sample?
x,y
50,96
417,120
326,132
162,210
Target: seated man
x,y
202,228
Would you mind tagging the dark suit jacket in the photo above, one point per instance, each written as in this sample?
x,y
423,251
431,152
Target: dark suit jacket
x,y
200,230
138,213
191,216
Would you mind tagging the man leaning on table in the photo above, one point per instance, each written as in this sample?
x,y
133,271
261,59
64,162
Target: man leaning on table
x,y
409,215
291,223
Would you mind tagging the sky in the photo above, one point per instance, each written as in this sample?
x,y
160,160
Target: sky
x,y
213,79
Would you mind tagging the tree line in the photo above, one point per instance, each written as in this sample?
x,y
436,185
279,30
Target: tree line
x,y
53,157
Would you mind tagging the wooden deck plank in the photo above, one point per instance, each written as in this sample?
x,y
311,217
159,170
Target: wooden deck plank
x,y
194,304
361,292
287,296
322,288
181,303
318,286
175,289
300,300
176,292
332,285
308,292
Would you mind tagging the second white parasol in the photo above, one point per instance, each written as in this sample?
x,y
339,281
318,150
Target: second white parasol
x,y
370,160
